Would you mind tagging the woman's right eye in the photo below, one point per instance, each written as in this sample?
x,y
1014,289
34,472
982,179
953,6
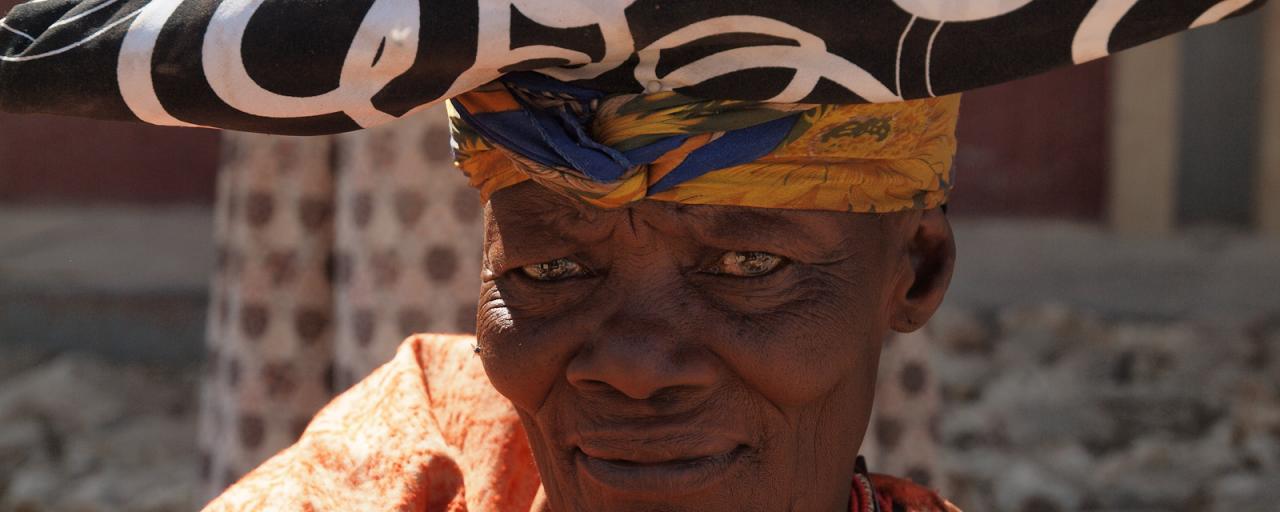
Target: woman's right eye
x,y
747,264
554,270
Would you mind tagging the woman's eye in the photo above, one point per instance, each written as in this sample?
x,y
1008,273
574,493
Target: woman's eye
x,y
554,270
747,264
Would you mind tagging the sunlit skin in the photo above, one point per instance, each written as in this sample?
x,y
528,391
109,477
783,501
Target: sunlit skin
x,y
698,358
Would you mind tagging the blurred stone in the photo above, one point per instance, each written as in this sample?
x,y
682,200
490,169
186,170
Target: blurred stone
x,y
76,394
31,489
1242,492
1025,487
1072,411
159,488
961,378
16,359
964,429
141,441
1161,472
1046,405
1034,336
960,331
81,435
18,442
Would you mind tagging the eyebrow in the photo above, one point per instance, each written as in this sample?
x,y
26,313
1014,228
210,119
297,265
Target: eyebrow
x,y
746,223
770,230
549,223
545,221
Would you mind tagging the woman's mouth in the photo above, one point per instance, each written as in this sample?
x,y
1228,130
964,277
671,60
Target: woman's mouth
x,y
657,472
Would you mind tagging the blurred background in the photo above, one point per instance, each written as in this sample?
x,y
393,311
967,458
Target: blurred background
x,y
174,304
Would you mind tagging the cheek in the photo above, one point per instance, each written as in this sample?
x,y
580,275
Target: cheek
x,y
806,351
519,355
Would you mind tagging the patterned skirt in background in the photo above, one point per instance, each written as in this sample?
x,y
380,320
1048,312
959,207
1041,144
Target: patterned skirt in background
x,y
331,250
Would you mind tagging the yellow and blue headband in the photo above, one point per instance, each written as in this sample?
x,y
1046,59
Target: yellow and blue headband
x,y
611,150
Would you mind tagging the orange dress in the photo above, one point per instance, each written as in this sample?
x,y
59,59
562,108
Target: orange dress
x,y
427,432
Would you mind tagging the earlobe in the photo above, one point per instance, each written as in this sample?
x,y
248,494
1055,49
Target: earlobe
x,y
929,260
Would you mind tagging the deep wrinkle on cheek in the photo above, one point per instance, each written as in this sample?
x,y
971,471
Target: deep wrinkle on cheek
x,y
524,353
814,340
530,300
493,315
503,352
811,296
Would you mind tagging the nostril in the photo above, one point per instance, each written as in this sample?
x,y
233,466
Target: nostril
x,y
591,385
641,363
607,390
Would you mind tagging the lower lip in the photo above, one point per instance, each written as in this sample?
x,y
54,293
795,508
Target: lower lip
x,y
664,479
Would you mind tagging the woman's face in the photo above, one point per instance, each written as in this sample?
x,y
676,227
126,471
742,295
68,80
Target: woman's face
x,y
681,357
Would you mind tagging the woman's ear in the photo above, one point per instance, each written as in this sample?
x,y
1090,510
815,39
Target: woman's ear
x,y
930,257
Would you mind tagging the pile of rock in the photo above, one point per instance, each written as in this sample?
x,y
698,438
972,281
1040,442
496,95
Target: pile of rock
x,y
1052,409
79,434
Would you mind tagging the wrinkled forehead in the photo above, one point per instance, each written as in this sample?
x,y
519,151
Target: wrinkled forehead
x,y
528,215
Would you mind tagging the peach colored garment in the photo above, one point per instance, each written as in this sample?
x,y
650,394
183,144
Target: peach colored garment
x,y
427,432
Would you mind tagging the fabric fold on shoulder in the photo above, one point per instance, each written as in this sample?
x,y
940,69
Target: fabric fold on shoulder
x,y
426,431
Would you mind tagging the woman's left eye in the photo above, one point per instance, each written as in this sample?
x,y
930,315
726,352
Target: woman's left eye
x,y
746,264
554,270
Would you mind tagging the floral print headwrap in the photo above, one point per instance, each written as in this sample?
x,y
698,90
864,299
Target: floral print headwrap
x,y
613,149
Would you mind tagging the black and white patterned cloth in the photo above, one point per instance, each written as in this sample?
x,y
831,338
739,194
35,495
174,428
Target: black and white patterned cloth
x,y
324,66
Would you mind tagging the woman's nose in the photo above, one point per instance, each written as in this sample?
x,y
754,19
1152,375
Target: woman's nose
x,y
642,359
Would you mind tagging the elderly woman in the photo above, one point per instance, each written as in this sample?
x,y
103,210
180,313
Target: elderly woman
x,y
709,344
691,259
674,340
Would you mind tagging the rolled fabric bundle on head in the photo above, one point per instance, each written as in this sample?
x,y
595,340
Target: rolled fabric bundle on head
x,y
288,68
295,73
613,149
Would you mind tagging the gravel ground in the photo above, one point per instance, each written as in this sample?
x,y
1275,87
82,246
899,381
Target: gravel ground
x,y
79,434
